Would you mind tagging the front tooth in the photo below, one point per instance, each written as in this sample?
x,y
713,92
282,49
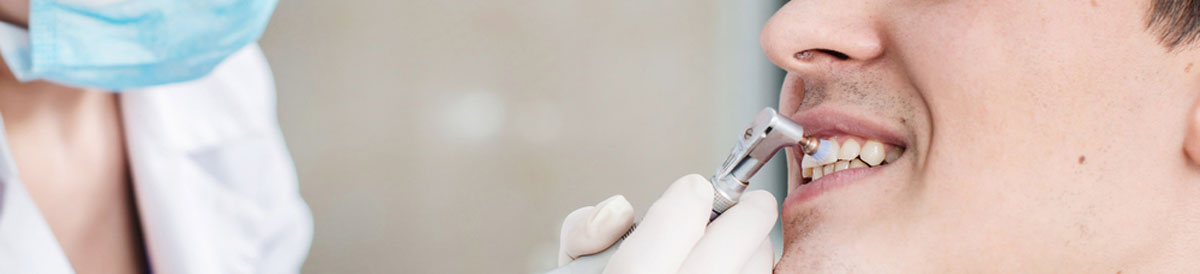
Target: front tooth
x,y
817,172
841,165
808,161
849,150
872,153
892,155
807,173
833,146
826,169
858,163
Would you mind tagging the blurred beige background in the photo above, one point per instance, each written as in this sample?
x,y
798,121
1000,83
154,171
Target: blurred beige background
x,y
453,136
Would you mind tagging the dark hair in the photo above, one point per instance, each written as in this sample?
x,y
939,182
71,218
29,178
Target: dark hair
x,y
1177,22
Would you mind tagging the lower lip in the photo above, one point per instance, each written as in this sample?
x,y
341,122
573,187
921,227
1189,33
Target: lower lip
x,y
816,188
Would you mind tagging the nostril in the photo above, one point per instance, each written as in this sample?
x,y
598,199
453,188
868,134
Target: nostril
x,y
804,55
836,54
807,55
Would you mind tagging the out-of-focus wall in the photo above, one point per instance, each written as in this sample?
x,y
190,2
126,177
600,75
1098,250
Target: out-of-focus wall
x,y
453,136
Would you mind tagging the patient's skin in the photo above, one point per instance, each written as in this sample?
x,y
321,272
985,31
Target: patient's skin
x,y
14,11
70,153
1042,137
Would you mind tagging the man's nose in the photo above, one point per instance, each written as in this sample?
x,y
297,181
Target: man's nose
x,y
817,37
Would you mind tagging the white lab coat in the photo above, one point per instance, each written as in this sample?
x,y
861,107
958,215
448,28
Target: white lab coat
x,y
215,187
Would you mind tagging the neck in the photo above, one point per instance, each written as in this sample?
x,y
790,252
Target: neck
x,y
55,108
14,12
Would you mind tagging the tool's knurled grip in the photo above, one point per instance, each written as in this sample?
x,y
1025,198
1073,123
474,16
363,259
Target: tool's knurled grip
x,y
720,205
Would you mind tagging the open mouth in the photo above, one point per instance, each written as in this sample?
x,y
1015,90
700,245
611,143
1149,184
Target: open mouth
x,y
866,146
853,152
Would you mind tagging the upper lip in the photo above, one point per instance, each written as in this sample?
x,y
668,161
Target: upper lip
x,y
825,122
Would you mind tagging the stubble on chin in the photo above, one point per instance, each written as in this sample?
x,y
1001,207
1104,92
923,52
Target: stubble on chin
x,y
797,255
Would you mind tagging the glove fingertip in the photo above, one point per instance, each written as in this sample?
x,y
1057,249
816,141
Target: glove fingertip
x,y
575,217
613,216
569,241
698,184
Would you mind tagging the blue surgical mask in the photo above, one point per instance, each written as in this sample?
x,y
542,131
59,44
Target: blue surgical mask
x,y
125,44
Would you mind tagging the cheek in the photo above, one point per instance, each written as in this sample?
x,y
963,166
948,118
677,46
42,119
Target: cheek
x,y
1016,96
1017,91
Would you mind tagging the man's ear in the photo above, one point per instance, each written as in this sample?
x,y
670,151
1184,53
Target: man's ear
x,y
1191,142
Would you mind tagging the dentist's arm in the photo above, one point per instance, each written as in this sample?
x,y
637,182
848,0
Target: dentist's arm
x,y
675,236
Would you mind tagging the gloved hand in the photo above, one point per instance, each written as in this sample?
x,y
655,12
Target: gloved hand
x,y
675,236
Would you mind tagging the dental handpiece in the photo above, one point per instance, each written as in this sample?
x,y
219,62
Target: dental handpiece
x,y
766,135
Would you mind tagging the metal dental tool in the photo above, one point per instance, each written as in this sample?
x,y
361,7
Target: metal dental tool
x,y
766,135
769,133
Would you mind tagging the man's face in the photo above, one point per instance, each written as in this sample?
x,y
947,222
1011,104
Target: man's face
x,y
1036,135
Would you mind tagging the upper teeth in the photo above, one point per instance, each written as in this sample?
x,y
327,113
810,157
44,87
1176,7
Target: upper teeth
x,y
849,150
850,155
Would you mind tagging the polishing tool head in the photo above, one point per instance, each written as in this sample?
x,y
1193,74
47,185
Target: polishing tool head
x,y
825,152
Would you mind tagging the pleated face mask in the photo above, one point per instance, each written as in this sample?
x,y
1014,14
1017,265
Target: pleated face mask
x,y
125,44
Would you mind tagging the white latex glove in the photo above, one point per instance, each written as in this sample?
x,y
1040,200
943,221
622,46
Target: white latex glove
x,y
675,236
591,229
